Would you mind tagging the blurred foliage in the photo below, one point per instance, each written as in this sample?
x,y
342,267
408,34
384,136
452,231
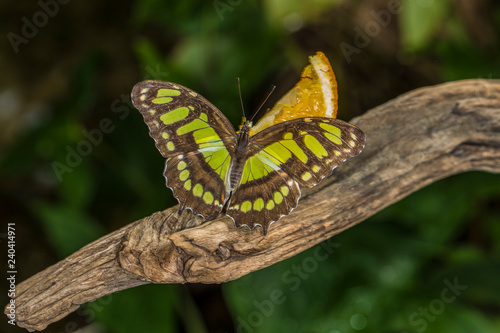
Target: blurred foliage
x,y
76,161
390,273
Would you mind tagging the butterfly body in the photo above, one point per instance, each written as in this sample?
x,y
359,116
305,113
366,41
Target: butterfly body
x,y
254,178
240,155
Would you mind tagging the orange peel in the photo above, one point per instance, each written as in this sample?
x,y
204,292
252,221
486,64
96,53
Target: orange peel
x,y
315,95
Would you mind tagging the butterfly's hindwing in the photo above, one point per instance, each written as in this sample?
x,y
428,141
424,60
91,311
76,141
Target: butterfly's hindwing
x,y
195,185
194,137
263,200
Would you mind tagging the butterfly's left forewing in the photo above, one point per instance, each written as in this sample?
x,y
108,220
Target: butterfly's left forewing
x,y
194,137
309,149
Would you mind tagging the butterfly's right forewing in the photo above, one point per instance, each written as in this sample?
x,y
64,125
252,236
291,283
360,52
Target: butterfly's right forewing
x,y
196,139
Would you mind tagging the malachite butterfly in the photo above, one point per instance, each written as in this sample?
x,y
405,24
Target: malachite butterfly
x,y
254,179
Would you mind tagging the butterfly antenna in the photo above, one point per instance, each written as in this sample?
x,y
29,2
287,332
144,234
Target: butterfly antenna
x,y
241,100
264,101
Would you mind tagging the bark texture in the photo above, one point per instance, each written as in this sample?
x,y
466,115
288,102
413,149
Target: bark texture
x,y
413,140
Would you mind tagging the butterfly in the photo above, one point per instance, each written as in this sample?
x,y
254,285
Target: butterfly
x,y
253,178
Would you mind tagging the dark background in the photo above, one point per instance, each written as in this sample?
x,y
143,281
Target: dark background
x,y
429,263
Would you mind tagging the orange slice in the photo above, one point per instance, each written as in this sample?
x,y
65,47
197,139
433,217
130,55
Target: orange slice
x,y
315,95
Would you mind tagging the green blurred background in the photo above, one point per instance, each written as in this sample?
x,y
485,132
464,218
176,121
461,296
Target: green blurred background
x,y
429,263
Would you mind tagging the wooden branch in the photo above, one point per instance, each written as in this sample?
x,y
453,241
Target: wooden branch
x,y
413,140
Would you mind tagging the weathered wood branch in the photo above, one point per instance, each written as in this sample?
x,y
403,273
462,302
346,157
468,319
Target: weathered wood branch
x,y
413,140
